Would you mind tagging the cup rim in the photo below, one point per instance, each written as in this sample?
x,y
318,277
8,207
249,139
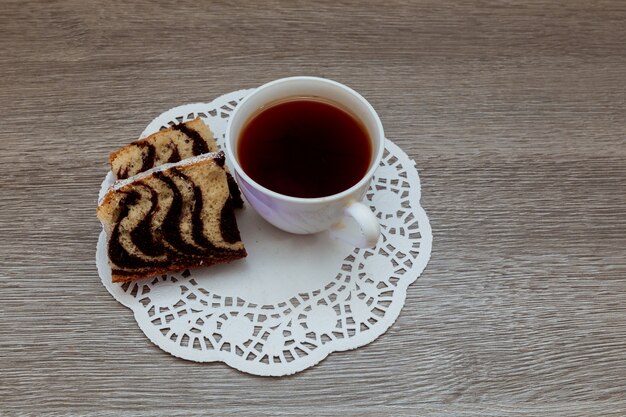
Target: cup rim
x,y
338,196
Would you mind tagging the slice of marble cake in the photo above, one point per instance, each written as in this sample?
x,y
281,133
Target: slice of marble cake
x,y
170,145
171,218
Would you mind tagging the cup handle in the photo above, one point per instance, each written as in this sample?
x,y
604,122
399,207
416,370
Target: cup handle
x,y
368,227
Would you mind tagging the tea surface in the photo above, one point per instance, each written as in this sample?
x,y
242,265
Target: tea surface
x,y
305,147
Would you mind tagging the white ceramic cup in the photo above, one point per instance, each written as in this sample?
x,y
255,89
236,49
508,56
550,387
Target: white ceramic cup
x,y
311,215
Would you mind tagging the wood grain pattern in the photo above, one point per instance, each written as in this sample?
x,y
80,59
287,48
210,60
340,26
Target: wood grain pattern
x,y
515,113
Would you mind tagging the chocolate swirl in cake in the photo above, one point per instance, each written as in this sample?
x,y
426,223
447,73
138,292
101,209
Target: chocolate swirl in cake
x,y
160,220
117,253
142,236
199,143
148,156
174,156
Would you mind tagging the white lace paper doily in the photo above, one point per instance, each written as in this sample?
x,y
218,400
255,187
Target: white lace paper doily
x,y
294,299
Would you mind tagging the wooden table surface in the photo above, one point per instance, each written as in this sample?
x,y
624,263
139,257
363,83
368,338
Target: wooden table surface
x,y
515,113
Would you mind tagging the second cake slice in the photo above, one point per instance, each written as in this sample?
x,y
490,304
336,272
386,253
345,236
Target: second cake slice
x,y
170,145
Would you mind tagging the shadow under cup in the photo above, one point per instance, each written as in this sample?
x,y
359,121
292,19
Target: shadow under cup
x,y
297,214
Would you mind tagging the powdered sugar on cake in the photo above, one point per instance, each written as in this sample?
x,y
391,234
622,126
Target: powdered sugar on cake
x,y
192,160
